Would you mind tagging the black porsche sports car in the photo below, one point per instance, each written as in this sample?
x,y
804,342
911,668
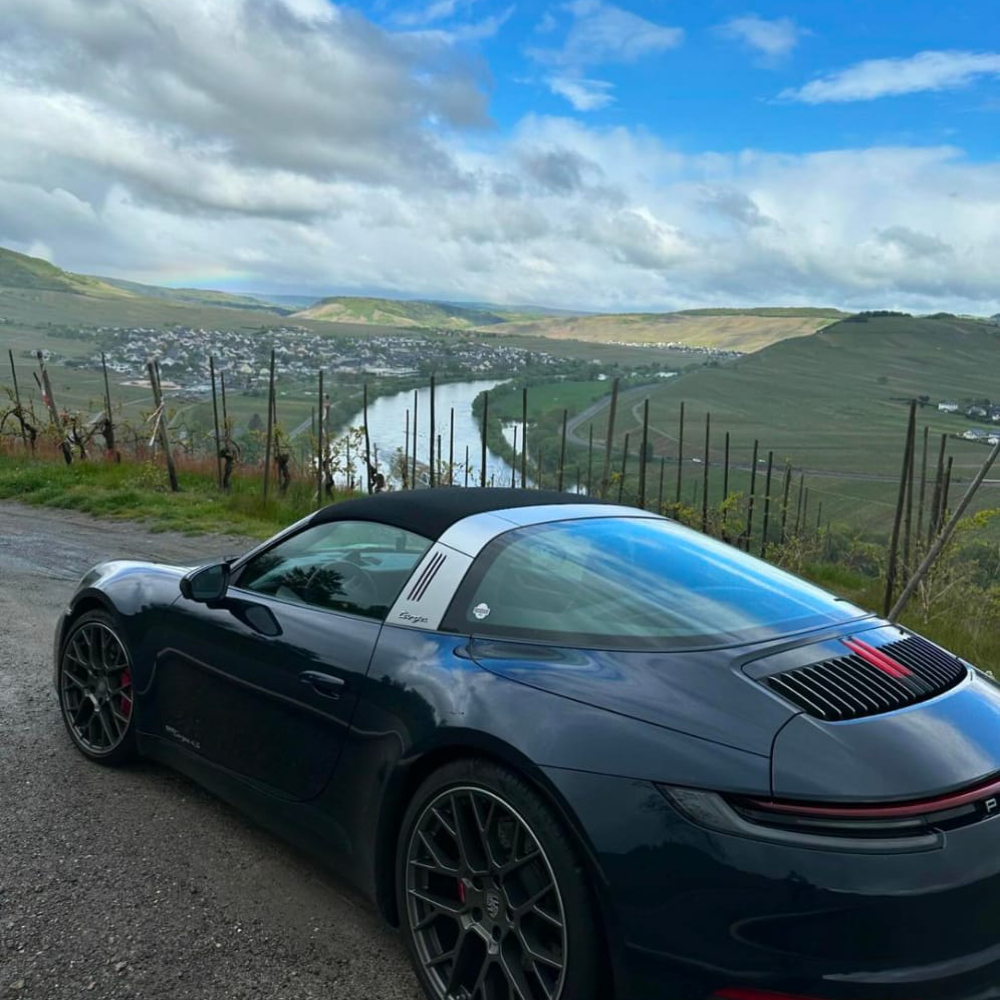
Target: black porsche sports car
x,y
573,749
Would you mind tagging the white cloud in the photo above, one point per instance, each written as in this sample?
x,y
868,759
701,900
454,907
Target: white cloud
x,y
773,39
874,78
583,94
600,34
263,144
440,10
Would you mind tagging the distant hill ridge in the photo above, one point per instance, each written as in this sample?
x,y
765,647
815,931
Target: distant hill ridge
x,y
18,270
399,312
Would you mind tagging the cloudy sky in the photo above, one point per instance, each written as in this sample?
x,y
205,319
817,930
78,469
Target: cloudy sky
x,y
647,154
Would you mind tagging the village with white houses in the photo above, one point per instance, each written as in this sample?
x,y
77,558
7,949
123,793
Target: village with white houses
x,y
243,355
981,411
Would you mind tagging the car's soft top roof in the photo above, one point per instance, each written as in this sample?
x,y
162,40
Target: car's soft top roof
x,y
431,512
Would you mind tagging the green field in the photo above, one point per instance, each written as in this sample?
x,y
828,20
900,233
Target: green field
x,y
833,404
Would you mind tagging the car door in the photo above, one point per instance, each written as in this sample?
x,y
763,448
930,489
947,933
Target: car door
x,y
264,683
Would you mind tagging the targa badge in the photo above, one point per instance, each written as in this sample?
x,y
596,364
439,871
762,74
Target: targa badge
x,y
481,611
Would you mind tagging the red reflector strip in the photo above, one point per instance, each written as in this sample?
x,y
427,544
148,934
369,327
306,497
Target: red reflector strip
x,y
877,658
742,993
988,790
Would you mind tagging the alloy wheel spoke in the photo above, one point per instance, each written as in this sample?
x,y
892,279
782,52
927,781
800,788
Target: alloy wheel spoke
x,y
467,835
515,978
464,957
438,903
73,679
440,863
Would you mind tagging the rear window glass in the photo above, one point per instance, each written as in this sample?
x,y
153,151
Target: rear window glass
x,y
633,583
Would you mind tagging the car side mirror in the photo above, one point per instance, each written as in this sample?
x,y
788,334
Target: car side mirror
x,y
206,583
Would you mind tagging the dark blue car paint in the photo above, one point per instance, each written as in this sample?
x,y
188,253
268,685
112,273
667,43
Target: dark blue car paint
x,y
685,909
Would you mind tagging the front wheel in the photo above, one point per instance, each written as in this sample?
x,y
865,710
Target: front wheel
x,y
493,900
95,689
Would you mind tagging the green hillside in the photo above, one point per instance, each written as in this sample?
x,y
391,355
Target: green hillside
x,y
18,270
398,312
834,404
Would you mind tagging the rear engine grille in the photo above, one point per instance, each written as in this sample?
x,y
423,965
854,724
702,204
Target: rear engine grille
x,y
856,685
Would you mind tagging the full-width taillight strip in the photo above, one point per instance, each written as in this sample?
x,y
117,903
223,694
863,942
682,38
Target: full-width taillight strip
x,y
984,791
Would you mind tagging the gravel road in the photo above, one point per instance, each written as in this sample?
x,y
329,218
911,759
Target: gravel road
x,y
135,883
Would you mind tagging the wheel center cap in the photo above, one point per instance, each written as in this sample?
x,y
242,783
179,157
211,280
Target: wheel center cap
x,y
492,903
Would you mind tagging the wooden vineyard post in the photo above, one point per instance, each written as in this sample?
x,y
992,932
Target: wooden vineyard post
x,y
406,449
319,443
513,465
430,441
680,456
413,477
486,414
562,451
590,462
451,447
935,511
786,489
923,488
466,469
753,495
17,401
369,478
270,426
798,506
524,441
215,420
161,422
663,469
46,387
642,451
109,422
704,473
725,488
621,481
946,491
767,504
908,510
890,574
606,474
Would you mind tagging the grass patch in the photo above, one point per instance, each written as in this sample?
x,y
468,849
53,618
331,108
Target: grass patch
x,y
139,492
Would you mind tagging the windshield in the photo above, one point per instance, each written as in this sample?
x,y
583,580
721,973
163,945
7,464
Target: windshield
x,y
634,583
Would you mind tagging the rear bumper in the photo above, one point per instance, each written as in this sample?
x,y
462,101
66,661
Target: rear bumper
x,y
690,911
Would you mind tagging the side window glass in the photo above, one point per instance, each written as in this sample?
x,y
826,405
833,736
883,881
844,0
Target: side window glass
x,y
354,566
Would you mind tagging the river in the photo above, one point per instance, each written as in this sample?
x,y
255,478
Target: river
x,y
387,422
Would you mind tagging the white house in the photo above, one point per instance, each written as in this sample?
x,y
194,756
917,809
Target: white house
x,y
946,406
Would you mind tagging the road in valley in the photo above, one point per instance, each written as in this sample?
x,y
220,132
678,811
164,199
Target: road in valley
x,y
135,883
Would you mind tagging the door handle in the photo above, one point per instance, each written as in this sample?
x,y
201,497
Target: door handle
x,y
325,684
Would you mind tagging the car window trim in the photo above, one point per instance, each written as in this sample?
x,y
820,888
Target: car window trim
x,y
237,568
254,595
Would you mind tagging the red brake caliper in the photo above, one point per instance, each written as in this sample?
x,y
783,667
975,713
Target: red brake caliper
x,y
461,891
126,702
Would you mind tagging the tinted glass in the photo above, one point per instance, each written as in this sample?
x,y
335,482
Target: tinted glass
x,y
353,566
633,583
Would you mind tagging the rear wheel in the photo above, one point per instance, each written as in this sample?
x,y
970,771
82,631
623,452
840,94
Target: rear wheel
x,y
95,689
493,900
